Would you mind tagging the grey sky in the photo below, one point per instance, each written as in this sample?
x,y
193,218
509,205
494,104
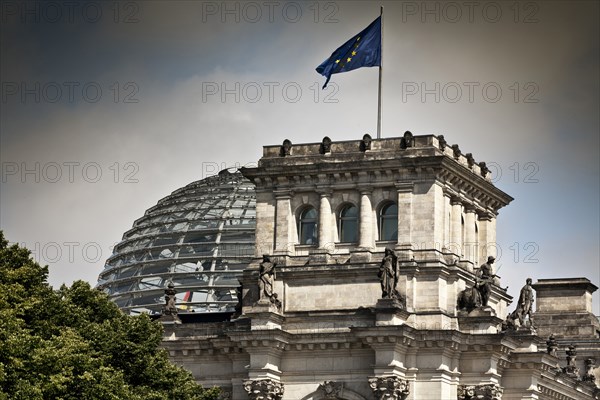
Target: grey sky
x,y
159,124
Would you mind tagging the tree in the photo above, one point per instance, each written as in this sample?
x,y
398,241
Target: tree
x,y
75,344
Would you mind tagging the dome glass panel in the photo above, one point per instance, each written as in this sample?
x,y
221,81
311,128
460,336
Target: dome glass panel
x,y
201,237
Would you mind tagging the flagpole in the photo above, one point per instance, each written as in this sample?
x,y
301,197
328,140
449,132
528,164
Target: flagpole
x,y
380,78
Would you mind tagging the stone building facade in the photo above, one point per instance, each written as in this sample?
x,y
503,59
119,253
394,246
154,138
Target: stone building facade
x,y
326,322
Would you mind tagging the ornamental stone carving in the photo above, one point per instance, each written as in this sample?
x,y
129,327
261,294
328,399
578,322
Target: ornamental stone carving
x,y
589,376
480,392
331,389
571,369
407,140
484,169
263,389
552,346
286,148
325,145
442,142
470,160
365,143
389,387
456,151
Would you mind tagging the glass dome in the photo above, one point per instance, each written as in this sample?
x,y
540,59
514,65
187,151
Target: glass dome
x,y
201,237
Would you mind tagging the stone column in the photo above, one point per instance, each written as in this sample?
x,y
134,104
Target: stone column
x,y
365,224
487,237
470,244
455,244
282,223
325,241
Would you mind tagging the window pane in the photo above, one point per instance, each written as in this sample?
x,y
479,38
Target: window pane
x,y
308,227
348,224
388,222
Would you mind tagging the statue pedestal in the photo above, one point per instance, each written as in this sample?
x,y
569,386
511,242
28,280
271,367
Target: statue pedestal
x,y
527,339
481,320
390,312
361,254
320,256
169,319
264,315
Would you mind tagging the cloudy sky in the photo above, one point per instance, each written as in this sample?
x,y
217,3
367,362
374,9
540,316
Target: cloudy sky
x,y
109,106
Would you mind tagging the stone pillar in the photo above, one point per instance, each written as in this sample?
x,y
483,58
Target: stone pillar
x,y
471,240
365,224
405,202
325,241
487,237
283,215
456,244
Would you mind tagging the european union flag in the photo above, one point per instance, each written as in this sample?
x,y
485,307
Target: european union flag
x,y
363,50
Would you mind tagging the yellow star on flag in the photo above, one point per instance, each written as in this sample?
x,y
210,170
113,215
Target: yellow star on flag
x,y
337,61
349,59
353,53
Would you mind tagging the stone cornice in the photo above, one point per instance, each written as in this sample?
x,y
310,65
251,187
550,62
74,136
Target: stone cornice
x,y
456,178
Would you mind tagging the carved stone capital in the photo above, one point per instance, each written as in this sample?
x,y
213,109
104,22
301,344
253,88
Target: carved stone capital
x,y
263,389
389,387
331,389
480,392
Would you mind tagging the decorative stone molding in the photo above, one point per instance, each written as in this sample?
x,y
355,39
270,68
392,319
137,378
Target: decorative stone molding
x,y
263,389
389,387
331,389
224,396
480,392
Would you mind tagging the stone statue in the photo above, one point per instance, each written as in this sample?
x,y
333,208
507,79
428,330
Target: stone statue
x,y
266,278
485,278
407,140
589,376
388,274
470,160
456,151
238,307
552,346
365,143
325,145
286,148
571,368
469,299
484,169
170,307
442,142
524,308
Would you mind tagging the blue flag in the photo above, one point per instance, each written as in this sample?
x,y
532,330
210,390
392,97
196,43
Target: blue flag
x,y
363,50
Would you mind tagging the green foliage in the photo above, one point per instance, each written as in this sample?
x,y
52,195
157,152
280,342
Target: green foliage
x,y
74,344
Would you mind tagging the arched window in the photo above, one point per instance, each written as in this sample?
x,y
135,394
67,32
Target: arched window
x,y
348,224
307,226
388,222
